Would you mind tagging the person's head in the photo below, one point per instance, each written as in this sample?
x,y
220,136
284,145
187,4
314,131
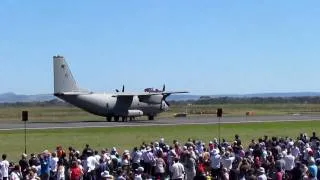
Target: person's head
x,y
74,164
4,156
17,167
244,161
313,134
24,156
96,152
31,173
176,159
236,136
54,154
34,169
87,145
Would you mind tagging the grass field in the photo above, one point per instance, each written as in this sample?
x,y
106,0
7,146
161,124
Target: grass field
x,y
69,113
12,142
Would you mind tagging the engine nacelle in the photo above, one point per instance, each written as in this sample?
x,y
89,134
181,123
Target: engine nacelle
x,y
154,99
135,113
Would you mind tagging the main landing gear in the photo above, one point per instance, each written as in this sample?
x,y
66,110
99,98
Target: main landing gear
x,y
150,118
117,118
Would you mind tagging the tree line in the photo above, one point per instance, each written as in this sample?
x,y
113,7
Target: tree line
x,y
251,100
204,100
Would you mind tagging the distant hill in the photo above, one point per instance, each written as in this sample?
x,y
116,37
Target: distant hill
x,y
286,94
11,97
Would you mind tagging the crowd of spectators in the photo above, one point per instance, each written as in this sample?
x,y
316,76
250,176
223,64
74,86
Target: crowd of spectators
x,y
264,158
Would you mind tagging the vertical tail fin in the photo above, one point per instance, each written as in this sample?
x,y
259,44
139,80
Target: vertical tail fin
x,y
63,79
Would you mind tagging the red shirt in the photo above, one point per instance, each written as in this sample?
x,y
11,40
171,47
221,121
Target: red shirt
x,y
75,173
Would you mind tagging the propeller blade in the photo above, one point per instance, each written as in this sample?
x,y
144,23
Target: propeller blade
x,y
167,103
164,88
122,88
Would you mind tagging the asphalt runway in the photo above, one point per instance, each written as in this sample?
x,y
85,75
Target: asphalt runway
x,y
169,121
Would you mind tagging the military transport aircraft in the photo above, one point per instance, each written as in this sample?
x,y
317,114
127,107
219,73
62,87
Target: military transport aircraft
x,y
116,105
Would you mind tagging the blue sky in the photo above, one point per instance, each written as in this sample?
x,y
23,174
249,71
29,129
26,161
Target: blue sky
x,y
206,47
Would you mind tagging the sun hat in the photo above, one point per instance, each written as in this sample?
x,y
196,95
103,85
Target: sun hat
x,y
261,170
105,174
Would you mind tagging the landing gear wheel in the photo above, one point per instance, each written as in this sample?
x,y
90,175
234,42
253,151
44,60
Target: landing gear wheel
x,y
150,118
116,118
109,118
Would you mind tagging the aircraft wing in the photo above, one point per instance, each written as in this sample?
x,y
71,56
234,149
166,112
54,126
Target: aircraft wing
x,y
168,93
134,94
165,94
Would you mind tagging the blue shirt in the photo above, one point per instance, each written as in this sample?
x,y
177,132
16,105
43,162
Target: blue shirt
x,y
313,169
45,165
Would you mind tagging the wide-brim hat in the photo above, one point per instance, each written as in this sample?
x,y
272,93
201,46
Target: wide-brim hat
x,y
140,169
261,170
105,174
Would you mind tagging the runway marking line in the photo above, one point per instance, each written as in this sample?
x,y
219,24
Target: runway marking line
x,y
154,124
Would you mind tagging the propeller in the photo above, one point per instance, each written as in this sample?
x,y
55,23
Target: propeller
x,y
163,104
163,100
117,90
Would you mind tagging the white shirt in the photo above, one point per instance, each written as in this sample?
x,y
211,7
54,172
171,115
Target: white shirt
x,y
5,168
15,176
177,170
295,152
91,163
262,177
215,161
137,177
98,157
53,164
227,162
1,170
289,162
60,173
136,156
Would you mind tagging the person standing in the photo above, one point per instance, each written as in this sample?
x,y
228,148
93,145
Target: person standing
x,y
177,170
190,167
160,167
60,171
16,173
24,164
261,174
45,165
75,172
4,164
53,166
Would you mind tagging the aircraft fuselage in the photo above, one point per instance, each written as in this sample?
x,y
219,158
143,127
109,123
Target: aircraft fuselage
x,y
107,105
